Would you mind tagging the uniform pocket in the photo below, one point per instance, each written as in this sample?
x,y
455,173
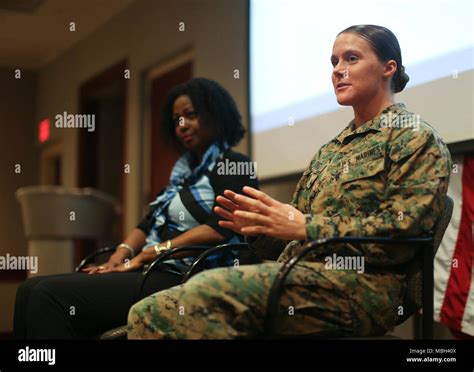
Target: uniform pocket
x,y
362,169
364,182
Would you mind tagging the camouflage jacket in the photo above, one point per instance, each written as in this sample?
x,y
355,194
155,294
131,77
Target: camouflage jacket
x,y
386,178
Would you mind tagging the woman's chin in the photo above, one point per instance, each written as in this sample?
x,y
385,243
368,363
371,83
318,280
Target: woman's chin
x,y
189,145
344,101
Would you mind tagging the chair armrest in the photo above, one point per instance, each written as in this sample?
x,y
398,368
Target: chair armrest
x,y
160,259
93,255
277,287
223,247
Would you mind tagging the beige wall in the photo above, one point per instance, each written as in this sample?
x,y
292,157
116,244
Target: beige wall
x,y
145,34
17,146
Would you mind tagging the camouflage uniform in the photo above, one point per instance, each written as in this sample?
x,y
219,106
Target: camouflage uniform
x,y
384,178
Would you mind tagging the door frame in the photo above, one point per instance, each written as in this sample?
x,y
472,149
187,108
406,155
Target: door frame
x,y
102,79
48,153
187,55
109,75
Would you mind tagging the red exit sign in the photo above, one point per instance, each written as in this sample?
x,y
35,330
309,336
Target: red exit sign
x,y
44,130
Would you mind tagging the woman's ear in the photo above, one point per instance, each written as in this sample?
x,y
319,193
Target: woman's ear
x,y
390,68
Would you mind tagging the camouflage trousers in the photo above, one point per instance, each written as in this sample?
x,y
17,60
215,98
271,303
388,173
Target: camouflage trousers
x,y
227,303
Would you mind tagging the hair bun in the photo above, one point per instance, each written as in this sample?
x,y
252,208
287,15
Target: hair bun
x,y
401,80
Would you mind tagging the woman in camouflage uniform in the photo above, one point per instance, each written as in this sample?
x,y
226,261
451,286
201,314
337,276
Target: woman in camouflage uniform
x,y
385,174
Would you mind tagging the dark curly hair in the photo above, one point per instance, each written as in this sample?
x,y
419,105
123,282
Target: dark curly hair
x,y
213,103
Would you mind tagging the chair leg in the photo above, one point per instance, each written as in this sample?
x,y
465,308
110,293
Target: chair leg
x,y
427,295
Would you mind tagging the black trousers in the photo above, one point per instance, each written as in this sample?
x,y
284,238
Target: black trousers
x,y
79,305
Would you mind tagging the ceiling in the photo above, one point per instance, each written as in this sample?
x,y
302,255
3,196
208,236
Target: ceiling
x,y
35,32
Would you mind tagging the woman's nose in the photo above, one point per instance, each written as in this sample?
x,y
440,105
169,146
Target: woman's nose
x,y
339,71
183,125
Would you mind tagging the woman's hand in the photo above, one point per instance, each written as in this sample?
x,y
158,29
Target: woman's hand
x,y
258,213
129,265
229,206
134,264
115,260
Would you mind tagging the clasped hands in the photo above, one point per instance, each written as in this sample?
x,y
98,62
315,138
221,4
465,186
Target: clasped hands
x,y
258,213
120,264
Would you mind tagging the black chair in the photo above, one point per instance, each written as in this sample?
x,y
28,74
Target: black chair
x,y
197,266
419,293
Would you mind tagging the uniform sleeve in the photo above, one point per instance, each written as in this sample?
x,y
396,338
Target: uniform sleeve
x,y
224,180
417,180
266,247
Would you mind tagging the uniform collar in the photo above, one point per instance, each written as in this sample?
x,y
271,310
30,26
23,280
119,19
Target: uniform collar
x,y
373,124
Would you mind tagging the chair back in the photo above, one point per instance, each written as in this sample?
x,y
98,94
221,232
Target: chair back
x,y
413,295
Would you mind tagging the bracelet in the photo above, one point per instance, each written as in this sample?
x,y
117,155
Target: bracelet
x,y
163,248
126,246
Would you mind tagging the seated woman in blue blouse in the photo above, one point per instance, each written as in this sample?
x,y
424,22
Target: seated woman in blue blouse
x,y
203,119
